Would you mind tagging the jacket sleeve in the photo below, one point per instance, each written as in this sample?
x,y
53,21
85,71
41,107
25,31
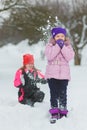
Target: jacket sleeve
x,y
51,51
68,52
41,78
17,79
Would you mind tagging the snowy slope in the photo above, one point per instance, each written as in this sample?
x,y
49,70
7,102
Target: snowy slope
x,y
14,116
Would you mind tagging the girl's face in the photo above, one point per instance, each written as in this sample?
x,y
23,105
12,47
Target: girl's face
x,y
29,66
59,36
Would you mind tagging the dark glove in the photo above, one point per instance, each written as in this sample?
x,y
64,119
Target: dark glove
x,y
60,43
43,81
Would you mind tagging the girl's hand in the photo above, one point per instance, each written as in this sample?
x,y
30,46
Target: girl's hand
x,y
52,41
43,81
67,41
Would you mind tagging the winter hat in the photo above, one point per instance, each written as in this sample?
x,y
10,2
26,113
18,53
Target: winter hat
x,y
58,30
28,59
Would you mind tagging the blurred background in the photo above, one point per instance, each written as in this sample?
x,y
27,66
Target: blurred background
x,y
33,20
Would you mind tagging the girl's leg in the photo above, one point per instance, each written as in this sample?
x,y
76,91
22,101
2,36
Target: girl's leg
x,y
53,92
21,98
63,94
38,96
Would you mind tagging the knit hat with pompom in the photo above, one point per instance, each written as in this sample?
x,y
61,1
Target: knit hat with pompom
x,y
58,30
28,59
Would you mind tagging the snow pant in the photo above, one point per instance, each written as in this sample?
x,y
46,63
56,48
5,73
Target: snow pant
x,y
58,92
30,97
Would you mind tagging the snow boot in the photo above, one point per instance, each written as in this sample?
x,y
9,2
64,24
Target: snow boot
x,y
54,115
63,113
30,102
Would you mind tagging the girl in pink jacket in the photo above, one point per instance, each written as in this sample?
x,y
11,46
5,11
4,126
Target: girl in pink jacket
x,y
58,53
26,79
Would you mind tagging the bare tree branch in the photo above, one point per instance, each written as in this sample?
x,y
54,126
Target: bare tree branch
x,y
10,6
85,43
82,42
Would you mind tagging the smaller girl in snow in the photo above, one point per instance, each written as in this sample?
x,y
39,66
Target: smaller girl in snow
x,y
26,79
58,53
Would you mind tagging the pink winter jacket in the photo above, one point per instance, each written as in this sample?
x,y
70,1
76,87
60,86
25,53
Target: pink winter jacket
x,y
58,61
18,80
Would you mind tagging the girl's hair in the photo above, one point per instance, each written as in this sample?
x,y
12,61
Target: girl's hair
x,y
24,67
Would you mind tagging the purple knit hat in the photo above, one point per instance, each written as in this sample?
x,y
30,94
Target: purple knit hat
x,y
57,30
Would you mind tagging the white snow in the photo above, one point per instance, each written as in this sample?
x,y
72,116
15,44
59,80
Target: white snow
x,y
14,116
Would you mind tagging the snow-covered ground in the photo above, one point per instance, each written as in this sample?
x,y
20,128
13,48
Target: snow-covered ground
x,y
14,116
